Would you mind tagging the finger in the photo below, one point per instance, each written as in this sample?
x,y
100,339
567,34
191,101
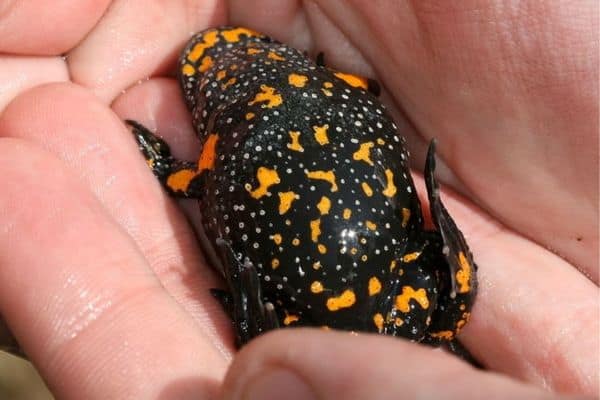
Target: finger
x,y
282,19
158,104
304,26
97,147
17,74
108,64
30,27
80,297
308,364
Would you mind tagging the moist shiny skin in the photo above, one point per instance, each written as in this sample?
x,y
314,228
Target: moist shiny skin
x,y
305,193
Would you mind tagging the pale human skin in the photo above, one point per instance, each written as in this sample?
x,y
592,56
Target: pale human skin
x,y
101,279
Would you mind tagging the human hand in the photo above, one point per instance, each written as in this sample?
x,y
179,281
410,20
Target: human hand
x,y
100,273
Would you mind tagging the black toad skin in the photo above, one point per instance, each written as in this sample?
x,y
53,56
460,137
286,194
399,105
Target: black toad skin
x,y
306,195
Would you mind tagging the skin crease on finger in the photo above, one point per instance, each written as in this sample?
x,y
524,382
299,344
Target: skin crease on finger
x,y
403,80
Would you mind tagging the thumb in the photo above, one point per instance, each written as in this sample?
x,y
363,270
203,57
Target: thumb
x,y
310,364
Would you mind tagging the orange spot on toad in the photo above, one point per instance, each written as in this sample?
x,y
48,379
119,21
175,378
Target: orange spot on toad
x,y
390,188
274,56
405,216
233,35
290,318
408,293
371,225
188,70
276,238
315,230
353,80
446,335
367,189
275,263
378,321
205,64
209,39
221,74
374,286
266,178
364,153
297,80
344,300
411,256
180,180
328,176
295,145
321,134
229,82
316,287
324,205
285,201
209,153
267,95
463,275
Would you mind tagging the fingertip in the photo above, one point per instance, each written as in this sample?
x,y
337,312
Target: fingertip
x,y
31,28
323,365
312,364
256,372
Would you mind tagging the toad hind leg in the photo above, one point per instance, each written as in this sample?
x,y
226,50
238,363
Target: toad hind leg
x,y
457,253
179,178
251,316
462,267
457,296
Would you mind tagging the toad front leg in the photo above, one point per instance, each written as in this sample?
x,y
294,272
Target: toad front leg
x,y
243,301
179,178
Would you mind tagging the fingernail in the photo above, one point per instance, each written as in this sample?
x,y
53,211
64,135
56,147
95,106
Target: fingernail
x,y
277,384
